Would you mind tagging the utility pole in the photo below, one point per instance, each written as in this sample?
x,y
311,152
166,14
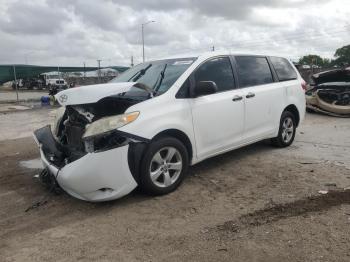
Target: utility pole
x,y
14,73
132,61
213,48
26,56
84,70
143,38
143,45
99,70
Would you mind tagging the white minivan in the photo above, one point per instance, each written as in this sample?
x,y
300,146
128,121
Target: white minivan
x,y
146,126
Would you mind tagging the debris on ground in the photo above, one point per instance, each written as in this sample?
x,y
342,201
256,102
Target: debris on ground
x,y
330,185
323,192
301,207
53,189
36,205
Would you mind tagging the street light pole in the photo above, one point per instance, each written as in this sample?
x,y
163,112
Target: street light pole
x,y
143,38
143,45
99,70
15,75
26,56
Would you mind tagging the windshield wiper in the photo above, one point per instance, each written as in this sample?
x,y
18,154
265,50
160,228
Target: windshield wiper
x,y
140,73
145,87
160,79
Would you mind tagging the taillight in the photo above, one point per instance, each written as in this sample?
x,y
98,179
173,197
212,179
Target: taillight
x,y
303,85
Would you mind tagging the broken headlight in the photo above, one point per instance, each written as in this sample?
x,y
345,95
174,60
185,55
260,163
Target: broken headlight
x,y
59,113
108,124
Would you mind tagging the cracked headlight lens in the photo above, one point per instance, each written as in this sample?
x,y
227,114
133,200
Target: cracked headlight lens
x,y
110,123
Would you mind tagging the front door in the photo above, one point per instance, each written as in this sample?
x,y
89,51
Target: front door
x,y
218,119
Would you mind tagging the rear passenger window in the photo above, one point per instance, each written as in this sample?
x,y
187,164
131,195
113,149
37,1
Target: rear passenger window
x,y
253,71
218,70
283,68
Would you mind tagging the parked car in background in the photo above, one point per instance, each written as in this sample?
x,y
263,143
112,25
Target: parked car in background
x,y
43,81
54,81
146,126
330,93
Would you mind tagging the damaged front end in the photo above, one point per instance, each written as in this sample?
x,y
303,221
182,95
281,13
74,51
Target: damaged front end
x,y
331,93
86,153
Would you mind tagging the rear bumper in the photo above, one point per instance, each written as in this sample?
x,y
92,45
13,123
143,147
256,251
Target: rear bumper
x,y
98,176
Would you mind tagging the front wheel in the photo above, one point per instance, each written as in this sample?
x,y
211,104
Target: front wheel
x,y
164,166
286,131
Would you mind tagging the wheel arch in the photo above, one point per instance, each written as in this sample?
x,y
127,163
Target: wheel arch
x,y
180,135
294,110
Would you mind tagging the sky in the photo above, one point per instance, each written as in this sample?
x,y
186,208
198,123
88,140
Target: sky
x,y
73,32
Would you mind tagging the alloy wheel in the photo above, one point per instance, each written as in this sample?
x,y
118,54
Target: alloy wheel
x,y
287,130
166,166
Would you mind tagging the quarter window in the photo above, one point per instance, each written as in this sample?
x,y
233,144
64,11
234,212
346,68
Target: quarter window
x,y
283,68
253,71
218,70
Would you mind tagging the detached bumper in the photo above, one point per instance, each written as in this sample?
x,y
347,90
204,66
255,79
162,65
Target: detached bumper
x,y
98,176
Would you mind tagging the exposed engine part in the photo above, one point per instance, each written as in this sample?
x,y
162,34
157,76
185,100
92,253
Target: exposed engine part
x,y
74,131
331,94
335,102
89,116
89,145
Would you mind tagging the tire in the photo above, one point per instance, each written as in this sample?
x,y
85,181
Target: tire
x,y
286,132
168,174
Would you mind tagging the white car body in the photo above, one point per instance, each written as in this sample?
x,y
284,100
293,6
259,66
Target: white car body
x,y
213,124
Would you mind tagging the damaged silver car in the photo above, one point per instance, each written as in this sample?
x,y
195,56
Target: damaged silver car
x,y
330,93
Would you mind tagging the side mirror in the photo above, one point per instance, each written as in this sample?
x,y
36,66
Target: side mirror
x,y
203,88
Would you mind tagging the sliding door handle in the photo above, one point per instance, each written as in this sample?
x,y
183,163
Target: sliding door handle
x,y
237,98
250,95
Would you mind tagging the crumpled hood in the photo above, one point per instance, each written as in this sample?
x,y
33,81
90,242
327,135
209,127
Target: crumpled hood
x,y
336,75
92,93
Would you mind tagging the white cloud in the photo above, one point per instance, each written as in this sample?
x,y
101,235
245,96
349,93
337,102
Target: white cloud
x,y
69,32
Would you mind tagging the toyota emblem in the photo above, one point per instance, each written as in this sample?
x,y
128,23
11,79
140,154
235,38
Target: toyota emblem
x,y
63,98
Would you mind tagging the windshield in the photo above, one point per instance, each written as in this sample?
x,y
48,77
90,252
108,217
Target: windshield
x,y
157,75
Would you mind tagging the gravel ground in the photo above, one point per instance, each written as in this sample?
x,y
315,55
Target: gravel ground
x,y
257,203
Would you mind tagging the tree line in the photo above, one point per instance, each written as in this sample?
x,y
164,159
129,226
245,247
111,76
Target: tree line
x,y
341,58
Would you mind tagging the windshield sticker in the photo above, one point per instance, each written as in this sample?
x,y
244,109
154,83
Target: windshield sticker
x,y
184,62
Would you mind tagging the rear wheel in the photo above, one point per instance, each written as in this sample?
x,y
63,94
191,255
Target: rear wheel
x,y
286,131
164,166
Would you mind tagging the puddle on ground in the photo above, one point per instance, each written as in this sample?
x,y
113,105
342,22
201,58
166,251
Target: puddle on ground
x,y
32,164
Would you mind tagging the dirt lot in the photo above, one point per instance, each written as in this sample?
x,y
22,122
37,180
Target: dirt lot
x,y
23,95
257,203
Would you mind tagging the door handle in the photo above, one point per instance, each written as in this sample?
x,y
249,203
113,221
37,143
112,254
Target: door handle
x,y
237,98
250,95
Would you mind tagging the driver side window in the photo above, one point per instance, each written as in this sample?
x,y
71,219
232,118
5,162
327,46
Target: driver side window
x,y
218,70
